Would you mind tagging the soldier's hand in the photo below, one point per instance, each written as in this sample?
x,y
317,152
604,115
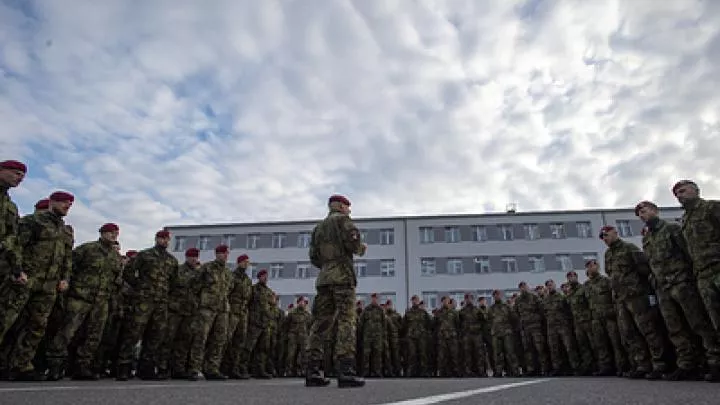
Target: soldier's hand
x,y
21,277
62,285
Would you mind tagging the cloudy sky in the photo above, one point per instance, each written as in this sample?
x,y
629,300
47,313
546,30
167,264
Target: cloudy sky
x,y
168,111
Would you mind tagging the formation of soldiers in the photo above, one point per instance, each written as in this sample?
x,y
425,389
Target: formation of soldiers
x,y
89,312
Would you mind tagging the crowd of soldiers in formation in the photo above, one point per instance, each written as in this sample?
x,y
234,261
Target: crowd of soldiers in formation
x,y
90,312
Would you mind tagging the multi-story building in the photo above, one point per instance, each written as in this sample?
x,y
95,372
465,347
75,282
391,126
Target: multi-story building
x,y
429,256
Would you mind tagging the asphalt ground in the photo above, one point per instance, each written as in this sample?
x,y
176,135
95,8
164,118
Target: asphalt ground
x,y
507,391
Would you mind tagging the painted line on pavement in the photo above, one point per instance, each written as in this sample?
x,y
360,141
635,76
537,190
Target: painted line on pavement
x,y
434,399
44,387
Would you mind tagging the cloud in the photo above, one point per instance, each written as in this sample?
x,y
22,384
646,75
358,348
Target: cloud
x,y
171,112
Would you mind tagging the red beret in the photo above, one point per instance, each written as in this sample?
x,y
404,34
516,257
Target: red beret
x,y
42,204
570,273
414,297
261,273
242,258
339,198
388,302
291,306
131,253
13,165
468,295
683,183
300,298
192,252
62,196
162,234
644,204
222,249
605,229
373,295
109,227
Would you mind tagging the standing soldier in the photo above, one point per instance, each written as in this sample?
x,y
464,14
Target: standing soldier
x,y
298,321
415,328
372,328
448,325
151,269
678,296
260,315
473,348
501,317
582,321
239,298
12,174
334,242
96,272
486,334
628,269
529,309
392,349
559,329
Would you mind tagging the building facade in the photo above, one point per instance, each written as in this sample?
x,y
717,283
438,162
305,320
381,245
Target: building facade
x,y
428,256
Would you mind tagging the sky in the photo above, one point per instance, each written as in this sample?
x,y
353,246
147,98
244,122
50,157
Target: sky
x,y
177,112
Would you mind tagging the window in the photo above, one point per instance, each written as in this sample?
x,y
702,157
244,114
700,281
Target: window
x,y
584,230
479,233
251,270
509,264
557,231
588,257
459,297
363,235
302,270
454,266
537,264
565,262
427,267
203,243
452,234
507,232
304,240
531,231
180,244
278,240
360,269
252,241
482,264
387,268
276,270
430,299
624,229
427,235
387,236
387,296
228,240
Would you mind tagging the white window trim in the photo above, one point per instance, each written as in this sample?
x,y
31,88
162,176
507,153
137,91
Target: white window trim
x,y
534,260
276,268
507,230
360,265
427,234
557,231
304,240
302,270
565,262
386,265
387,237
427,264
584,229
506,264
624,229
459,266
532,231
279,240
479,233
452,234
482,261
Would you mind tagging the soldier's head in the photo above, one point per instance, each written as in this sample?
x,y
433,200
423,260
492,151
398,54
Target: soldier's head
x,y
592,268
550,285
116,247
109,232
131,254
359,304
421,304
192,256
609,234
42,205
482,301
388,304
374,298
415,300
686,191
12,173
571,276
498,295
565,287
60,202
469,299
450,303
221,253
162,238
301,302
262,276
523,286
646,211
339,203
243,261
540,290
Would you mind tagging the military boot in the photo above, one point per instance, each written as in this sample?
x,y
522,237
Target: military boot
x,y
86,374
314,376
123,372
346,375
713,374
55,371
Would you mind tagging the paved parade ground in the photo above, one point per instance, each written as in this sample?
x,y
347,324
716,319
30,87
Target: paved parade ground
x,y
569,391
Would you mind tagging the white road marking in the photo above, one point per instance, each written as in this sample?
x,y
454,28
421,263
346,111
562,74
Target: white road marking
x,y
44,387
434,399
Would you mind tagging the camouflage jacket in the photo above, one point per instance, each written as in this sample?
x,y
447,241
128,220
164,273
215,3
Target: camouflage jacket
x,y
333,243
501,319
184,289
153,268
10,251
394,318
415,323
372,322
97,271
298,321
668,254
214,280
628,269
529,309
448,323
701,228
471,321
240,292
47,259
262,302
557,310
579,303
600,297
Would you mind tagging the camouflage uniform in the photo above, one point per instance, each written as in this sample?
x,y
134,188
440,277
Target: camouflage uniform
x,y
372,328
260,314
678,297
530,311
298,322
582,320
239,298
473,347
392,342
448,325
10,250
501,318
559,330
415,331
606,333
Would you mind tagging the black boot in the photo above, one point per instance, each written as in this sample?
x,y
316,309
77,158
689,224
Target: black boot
x,y
346,375
314,376
55,372
123,372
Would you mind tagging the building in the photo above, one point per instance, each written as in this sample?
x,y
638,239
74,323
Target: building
x,y
430,256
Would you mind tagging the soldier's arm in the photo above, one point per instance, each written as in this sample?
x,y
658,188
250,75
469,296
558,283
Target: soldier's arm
x,y
714,207
10,247
642,265
67,266
351,236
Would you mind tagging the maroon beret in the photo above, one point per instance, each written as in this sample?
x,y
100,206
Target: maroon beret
x,y
162,234
222,249
13,165
242,258
300,298
683,183
339,198
261,273
291,306
42,204
570,273
109,227
374,295
62,196
388,302
606,228
131,253
192,252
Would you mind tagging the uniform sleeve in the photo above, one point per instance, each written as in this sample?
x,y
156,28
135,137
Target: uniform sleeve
x,y
640,259
351,236
67,265
314,252
12,248
715,212
26,229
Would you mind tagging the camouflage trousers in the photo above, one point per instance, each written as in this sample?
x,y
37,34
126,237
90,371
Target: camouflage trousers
x,y
255,347
13,298
178,340
237,335
535,344
146,321
208,345
416,360
333,310
272,349
474,353
608,344
391,354
448,356
709,288
685,316
585,344
107,353
79,313
55,322
372,352
296,354
504,350
637,320
561,338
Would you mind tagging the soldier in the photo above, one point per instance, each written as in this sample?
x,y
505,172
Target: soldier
x,y
677,293
372,329
334,241
12,174
448,324
628,269
486,333
559,330
239,298
501,317
582,322
530,311
210,321
153,269
182,308
473,348
259,316
392,349
415,328
298,322
96,269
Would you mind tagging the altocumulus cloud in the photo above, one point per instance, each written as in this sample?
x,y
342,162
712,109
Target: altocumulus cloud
x,y
165,112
